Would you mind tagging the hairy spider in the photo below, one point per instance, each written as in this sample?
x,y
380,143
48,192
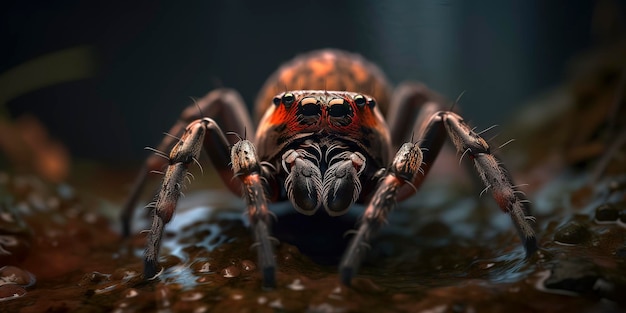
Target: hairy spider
x,y
321,149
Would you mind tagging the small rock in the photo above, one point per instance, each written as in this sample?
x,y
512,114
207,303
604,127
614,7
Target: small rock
x,y
231,271
572,233
11,291
577,275
607,213
248,265
93,278
15,275
202,267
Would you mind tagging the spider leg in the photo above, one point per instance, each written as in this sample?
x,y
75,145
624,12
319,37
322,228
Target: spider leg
x,y
493,174
432,126
229,110
411,106
249,170
405,176
183,154
405,166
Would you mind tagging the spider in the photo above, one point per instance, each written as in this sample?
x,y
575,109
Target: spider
x,y
322,150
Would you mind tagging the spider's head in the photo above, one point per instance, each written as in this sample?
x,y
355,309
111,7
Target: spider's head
x,y
323,116
331,112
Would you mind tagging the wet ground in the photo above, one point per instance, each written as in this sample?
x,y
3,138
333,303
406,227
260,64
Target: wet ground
x,y
444,250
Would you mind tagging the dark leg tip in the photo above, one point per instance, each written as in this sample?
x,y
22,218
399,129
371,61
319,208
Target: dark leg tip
x,y
269,277
125,228
531,246
150,269
345,275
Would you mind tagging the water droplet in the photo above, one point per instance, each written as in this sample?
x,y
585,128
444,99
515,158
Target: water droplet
x,y
130,293
231,271
276,304
206,267
296,285
248,265
487,265
237,296
191,296
107,288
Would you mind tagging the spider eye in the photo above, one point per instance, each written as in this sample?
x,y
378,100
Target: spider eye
x,y
338,108
360,100
288,99
309,107
372,103
276,100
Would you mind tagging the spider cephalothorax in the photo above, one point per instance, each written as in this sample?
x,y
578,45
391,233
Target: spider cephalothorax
x,y
329,144
319,148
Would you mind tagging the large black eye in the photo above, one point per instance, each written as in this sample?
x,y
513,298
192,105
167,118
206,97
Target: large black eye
x,y
288,99
338,108
309,107
360,100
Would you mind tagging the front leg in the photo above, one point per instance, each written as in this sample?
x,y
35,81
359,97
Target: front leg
x,y
403,170
494,176
227,108
185,152
249,170
431,126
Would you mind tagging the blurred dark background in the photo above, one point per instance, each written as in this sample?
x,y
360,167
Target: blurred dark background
x,y
132,66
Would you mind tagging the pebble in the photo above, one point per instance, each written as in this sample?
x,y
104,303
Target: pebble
x,y
231,271
93,278
248,265
15,275
10,291
572,233
577,275
190,296
202,267
606,213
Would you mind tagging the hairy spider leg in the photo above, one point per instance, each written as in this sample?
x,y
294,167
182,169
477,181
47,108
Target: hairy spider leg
x,y
405,166
250,171
227,108
393,186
